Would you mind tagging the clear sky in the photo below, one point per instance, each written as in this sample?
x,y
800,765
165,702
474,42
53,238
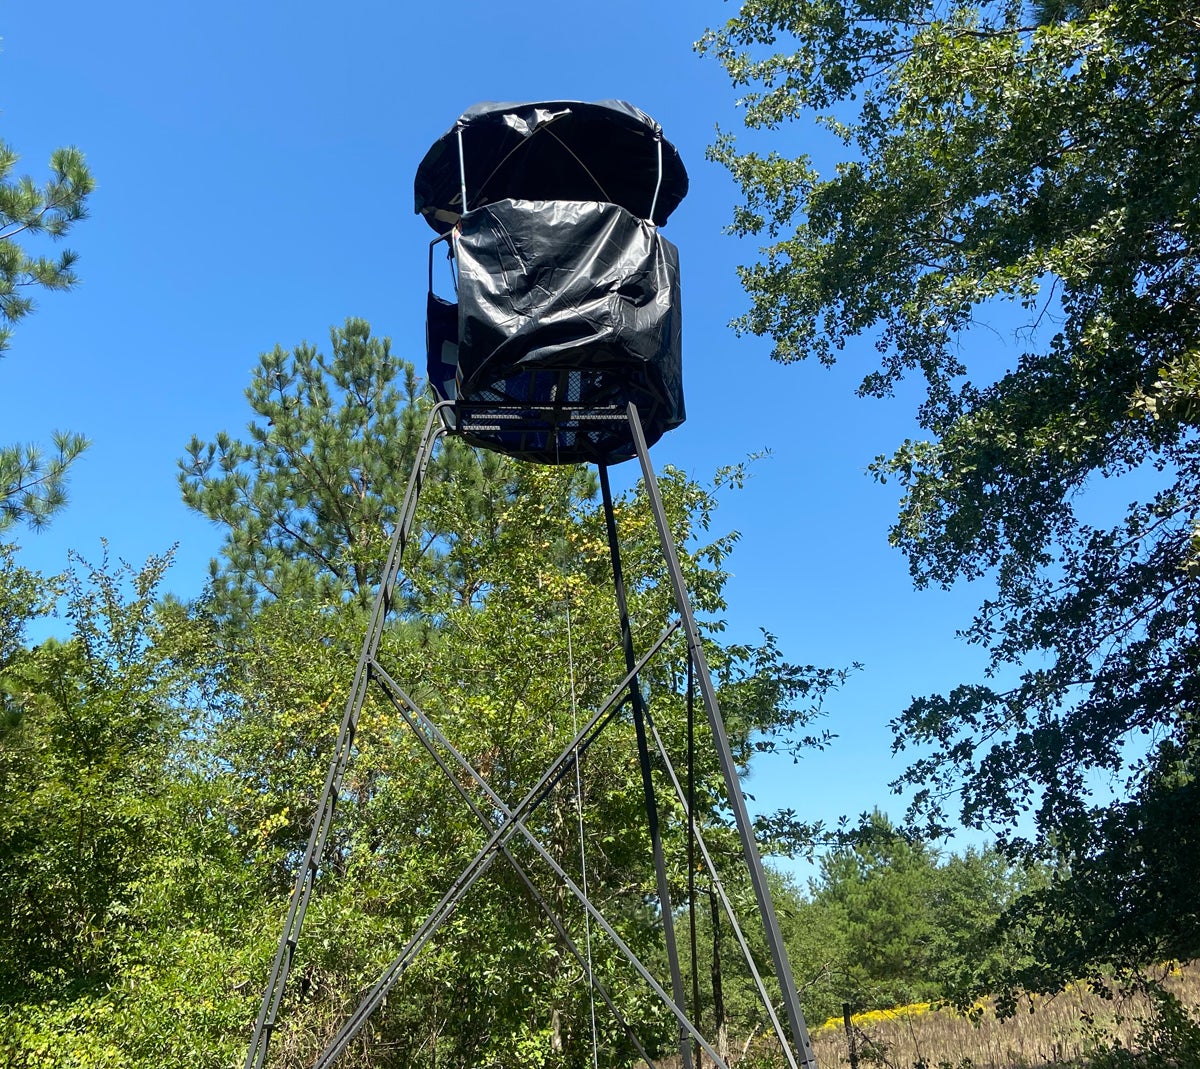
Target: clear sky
x,y
254,165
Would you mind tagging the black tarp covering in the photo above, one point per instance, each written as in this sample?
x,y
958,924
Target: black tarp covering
x,y
553,150
568,307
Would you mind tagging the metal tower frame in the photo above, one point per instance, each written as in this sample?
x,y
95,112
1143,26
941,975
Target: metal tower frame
x,y
458,418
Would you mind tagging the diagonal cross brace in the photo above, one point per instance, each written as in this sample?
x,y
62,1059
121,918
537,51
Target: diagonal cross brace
x,y
512,825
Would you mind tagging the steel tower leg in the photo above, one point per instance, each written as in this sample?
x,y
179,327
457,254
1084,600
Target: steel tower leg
x,y
639,724
268,1013
762,893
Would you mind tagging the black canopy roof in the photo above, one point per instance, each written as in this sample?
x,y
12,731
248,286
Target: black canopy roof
x,y
552,150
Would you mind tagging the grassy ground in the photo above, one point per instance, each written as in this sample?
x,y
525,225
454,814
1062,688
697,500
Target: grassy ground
x,y
1046,1032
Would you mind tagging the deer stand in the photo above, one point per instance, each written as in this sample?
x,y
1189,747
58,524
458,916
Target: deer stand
x,y
504,822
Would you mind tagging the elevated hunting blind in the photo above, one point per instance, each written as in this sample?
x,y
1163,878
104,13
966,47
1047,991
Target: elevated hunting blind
x,y
561,345
567,305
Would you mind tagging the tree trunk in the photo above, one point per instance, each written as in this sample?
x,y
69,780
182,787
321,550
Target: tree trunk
x,y
720,1025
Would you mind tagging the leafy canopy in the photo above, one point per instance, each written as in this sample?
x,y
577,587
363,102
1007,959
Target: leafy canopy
x,y
1038,164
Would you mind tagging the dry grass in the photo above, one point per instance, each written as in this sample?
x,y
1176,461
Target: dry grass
x,y
1046,1032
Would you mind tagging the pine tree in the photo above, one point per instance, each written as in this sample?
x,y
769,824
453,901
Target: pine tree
x,y
32,481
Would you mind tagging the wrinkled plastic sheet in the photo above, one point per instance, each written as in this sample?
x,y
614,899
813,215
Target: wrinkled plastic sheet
x,y
569,306
551,150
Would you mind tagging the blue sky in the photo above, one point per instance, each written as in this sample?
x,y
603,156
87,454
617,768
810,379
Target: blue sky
x,y
255,166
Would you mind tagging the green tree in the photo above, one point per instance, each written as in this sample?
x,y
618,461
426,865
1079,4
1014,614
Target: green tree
x,y
496,676
884,889
32,482
510,575
309,498
1042,161
130,918
89,726
889,920
24,596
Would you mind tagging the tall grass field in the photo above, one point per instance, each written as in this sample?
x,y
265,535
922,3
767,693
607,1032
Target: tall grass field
x,y
1077,1028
